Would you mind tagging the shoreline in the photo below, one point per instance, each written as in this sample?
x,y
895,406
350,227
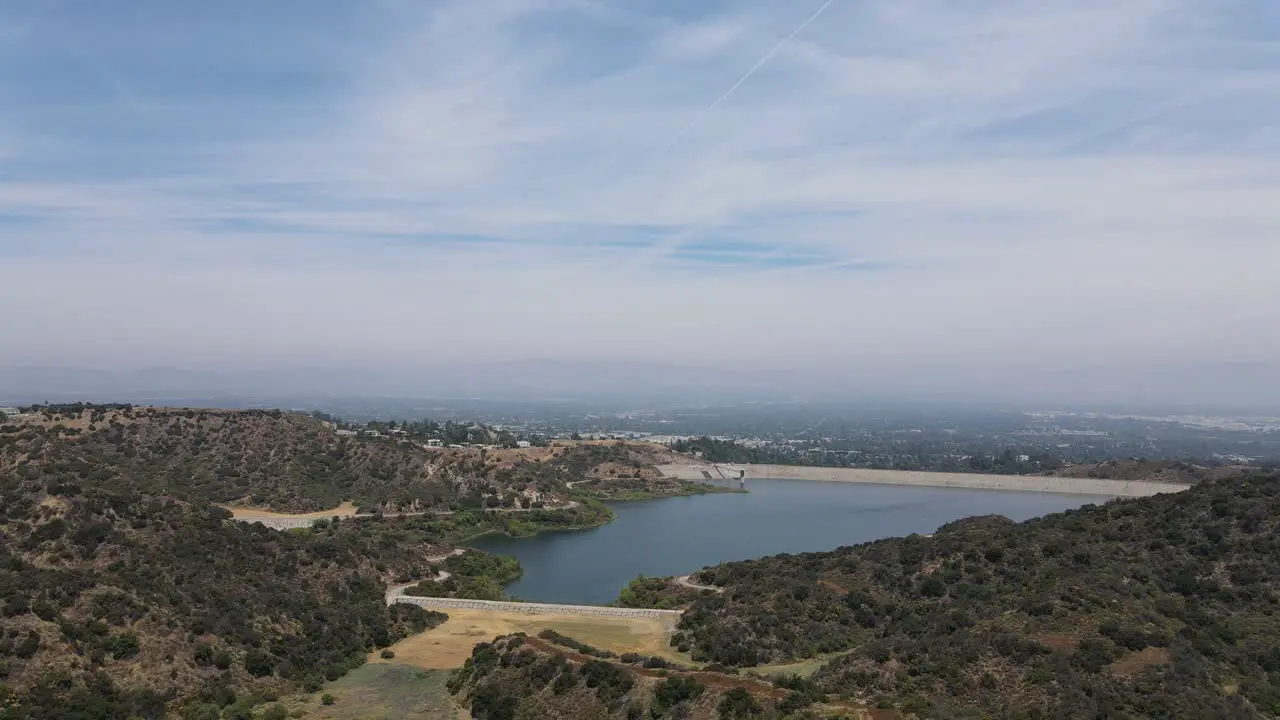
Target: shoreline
x,y
921,478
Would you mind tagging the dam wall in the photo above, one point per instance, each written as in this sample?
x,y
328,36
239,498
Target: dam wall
x,y
971,481
434,603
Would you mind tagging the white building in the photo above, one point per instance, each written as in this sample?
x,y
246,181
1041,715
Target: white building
x,y
523,444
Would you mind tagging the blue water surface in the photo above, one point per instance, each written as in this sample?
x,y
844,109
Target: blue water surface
x,y
674,536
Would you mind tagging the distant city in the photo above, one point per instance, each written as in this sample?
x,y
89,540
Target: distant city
x,y
948,438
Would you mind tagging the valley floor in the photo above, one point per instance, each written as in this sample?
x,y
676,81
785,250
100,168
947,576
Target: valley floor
x,y
450,644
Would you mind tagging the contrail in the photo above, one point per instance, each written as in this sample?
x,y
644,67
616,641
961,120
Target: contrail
x,y
1186,100
747,76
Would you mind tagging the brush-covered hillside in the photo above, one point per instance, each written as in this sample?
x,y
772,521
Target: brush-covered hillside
x,y
605,470
1167,471
1162,607
532,678
126,592
119,604
282,461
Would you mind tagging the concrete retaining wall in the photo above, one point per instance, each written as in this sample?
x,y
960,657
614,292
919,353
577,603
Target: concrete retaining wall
x,y
282,523
531,608
1022,483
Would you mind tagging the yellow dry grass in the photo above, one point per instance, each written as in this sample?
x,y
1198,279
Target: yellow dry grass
x,y
448,645
343,510
803,668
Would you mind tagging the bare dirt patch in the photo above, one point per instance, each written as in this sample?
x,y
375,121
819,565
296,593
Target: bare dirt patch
x,y
1064,643
833,587
1140,661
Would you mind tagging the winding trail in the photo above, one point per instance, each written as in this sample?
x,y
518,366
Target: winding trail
x,y
396,591
685,581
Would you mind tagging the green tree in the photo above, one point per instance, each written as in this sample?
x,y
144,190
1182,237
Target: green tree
x,y
259,663
738,704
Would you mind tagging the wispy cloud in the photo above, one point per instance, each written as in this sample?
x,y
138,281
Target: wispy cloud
x,y
1013,184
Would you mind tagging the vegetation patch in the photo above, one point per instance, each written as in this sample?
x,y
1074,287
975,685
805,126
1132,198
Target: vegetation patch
x,y
522,677
383,691
474,575
657,592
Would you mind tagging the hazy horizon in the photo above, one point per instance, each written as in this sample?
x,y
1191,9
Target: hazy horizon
x,y
1222,390
1034,203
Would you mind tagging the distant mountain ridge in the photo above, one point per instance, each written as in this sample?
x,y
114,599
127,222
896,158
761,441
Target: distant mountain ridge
x,y
513,380
1224,388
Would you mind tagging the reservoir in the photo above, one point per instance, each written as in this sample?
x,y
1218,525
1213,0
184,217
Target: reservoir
x,y
676,536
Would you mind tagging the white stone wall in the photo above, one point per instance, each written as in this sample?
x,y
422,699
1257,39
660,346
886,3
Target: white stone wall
x,y
530,608
976,481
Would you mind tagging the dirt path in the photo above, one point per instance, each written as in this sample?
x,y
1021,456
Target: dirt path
x,y
684,581
396,591
718,681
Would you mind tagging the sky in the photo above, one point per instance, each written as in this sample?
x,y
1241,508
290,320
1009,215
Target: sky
x,y
870,191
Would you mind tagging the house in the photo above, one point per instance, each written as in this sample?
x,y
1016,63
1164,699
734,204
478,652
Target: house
x,y
435,442
346,433
523,444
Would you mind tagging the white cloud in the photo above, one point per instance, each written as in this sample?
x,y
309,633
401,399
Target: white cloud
x,y
908,184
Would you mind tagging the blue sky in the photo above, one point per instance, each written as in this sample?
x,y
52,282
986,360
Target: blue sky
x,y
904,186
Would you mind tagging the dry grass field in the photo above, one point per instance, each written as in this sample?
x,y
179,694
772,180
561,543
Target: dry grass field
x,y
448,645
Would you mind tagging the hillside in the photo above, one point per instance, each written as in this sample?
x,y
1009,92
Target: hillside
x,y
1166,606
289,462
605,470
285,462
125,592
114,600
1166,471
535,678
